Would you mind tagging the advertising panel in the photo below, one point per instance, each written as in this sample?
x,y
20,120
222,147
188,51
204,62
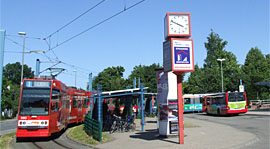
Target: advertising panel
x,y
178,55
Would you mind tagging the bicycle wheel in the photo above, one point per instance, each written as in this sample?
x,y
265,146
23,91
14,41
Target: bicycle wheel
x,y
113,127
133,126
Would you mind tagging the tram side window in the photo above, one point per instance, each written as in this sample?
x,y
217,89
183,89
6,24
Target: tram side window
x,y
74,102
55,94
55,99
85,103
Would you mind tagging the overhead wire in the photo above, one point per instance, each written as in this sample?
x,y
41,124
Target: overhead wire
x,y
51,60
75,19
101,22
38,38
48,37
14,42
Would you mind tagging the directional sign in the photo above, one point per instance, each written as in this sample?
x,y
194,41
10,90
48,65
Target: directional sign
x,y
178,55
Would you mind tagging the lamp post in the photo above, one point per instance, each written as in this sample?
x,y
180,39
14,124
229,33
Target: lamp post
x,y
75,76
22,33
221,72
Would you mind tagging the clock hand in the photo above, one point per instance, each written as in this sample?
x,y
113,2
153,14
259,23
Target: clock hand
x,y
177,23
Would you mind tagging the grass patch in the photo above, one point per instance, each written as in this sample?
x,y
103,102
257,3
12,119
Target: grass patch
x,y
5,139
77,133
189,125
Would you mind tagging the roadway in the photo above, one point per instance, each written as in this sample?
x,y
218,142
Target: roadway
x,y
252,122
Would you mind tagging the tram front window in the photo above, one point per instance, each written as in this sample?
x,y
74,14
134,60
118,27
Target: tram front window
x,y
35,102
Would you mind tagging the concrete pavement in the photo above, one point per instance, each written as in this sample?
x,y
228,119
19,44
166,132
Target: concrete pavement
x,y
265,112
206,135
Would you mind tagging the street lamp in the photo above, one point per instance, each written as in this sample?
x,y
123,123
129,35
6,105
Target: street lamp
x,y
75,76
38,51
22,33
221,72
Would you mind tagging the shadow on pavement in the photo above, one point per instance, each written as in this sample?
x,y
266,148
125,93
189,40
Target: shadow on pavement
x,y
154,122
150,135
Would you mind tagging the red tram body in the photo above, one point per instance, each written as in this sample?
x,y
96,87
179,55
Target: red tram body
x,y
48,106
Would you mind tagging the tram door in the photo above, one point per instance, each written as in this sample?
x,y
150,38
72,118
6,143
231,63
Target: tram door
x,y
80,114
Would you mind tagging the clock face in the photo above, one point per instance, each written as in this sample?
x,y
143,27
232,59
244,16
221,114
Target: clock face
x,y
178,24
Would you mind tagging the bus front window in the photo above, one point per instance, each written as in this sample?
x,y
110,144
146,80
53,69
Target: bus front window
x,y
35,101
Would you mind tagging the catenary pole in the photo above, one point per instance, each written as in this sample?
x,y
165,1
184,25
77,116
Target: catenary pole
x,y
2,42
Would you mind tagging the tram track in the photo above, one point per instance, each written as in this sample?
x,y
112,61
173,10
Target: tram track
x,y
49,145
60,141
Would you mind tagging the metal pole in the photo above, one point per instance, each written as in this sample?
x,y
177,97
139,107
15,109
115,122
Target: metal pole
x,y
134,82
37,67
222,77
142,111
76,79
91,105
180,110
2,42
23,58
221,71
90,88
99,87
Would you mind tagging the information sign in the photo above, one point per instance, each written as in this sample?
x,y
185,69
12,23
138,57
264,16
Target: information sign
x,y
178,55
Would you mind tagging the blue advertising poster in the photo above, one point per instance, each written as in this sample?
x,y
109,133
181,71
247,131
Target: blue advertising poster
x,y
181,55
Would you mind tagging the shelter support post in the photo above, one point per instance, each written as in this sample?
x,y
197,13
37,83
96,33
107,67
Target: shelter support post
x,y
99,103
142,109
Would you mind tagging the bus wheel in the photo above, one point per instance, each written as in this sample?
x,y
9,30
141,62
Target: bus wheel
x,y
218,112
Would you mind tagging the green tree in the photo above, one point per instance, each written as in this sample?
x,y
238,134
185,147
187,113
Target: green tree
x,y
211,72
147,75
10,96
255,70
13,72
194,84
110,78
11,85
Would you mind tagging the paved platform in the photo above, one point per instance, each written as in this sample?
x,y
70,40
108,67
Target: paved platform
x,y
206,135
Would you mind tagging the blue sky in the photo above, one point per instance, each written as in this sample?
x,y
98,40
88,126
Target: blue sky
x,y
132,38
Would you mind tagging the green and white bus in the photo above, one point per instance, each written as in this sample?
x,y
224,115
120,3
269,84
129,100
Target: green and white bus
x,y
225,103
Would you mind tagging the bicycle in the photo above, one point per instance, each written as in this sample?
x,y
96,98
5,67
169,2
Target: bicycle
x,y
117,124
129,124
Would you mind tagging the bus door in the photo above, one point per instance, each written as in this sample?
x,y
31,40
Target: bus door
x,y
208,104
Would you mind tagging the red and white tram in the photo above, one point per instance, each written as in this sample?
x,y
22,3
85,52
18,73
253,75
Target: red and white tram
x,y
48,106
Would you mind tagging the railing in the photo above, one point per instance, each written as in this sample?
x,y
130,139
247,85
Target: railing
x,y
263,102
93,127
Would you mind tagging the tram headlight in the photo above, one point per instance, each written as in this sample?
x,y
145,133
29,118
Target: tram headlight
x,y
42,123
20,122
24,122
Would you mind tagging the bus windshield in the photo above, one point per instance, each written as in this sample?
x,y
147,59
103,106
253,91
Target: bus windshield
x,y
236,96
35,101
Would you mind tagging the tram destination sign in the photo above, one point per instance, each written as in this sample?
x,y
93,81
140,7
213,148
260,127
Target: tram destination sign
x,y
178,55
38,84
